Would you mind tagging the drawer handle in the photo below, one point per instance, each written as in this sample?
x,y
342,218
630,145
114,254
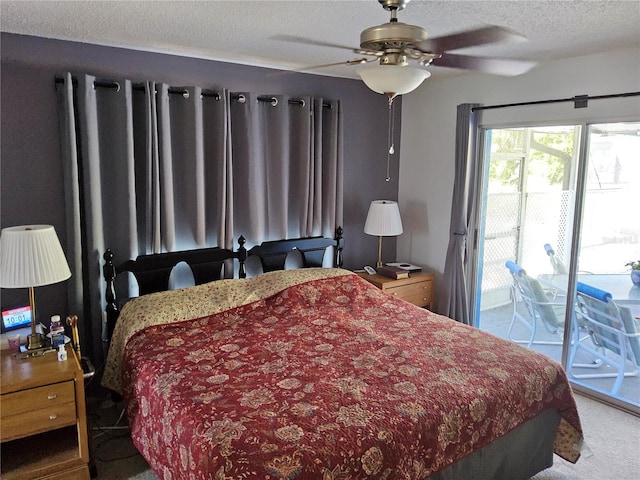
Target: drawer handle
x,y
52,396
53,417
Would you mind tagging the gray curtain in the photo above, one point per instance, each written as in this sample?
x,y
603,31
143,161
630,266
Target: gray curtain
x,y
140,178
328,161
150,168
454,302
287,153
194,163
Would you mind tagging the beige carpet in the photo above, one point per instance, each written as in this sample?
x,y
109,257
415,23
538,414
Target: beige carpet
x,y
612,447
612,450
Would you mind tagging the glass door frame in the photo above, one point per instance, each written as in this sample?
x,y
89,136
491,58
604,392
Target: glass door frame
x,y
477,247
581,192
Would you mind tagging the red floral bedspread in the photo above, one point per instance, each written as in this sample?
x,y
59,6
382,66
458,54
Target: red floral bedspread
x,y
330,379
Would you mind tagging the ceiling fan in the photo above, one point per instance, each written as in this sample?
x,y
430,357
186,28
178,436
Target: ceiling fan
x,y
397,45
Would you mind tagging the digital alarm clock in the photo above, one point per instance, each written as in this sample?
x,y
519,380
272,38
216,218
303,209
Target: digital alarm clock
x,y
15,318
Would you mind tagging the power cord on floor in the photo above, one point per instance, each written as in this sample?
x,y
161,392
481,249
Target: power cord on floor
x,y
115,426
103,435
105,442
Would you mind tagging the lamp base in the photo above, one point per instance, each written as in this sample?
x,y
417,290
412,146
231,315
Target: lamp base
x,y
34,341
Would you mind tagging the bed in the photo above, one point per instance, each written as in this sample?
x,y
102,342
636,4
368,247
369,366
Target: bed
x,y
314,373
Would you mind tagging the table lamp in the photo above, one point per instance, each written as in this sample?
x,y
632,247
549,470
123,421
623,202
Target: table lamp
x,y
31,256
383,220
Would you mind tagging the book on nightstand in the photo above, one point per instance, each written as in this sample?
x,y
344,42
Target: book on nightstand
x,y
393,272
406,266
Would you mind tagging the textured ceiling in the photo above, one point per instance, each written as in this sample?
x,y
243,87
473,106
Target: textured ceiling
x,y
245,31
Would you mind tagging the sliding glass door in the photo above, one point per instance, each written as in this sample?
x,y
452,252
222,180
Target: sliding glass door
x,y
560,205
608,342
528,202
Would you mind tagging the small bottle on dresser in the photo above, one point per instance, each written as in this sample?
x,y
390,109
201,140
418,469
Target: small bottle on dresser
x,y
62,353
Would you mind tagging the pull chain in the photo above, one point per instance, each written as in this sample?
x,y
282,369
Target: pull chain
x,y
391,149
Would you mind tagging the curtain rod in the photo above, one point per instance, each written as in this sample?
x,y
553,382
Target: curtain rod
x,y
580,101
273,100
185,93
140,87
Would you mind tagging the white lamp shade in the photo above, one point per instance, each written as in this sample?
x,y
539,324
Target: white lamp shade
x,y
383,219
31,256
394,79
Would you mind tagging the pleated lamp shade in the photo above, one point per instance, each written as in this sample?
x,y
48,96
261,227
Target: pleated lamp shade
x,y
31,256
383,219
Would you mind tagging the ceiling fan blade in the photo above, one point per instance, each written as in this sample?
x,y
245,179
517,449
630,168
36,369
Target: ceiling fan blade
x,y
309,41
469,38
496,66
355,61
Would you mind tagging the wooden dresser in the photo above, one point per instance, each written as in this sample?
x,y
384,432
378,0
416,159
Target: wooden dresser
x,y
417,289
43,425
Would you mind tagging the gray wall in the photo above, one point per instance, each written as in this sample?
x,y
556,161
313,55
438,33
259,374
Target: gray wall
x,y
31,182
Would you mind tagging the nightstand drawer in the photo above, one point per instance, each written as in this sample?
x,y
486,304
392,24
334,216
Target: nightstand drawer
x,y
417,289
417,293
36,398
36,410
49,418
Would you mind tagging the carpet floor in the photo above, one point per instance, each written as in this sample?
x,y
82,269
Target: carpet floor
x,y
612,446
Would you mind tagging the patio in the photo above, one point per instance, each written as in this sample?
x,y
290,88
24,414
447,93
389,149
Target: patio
x,y
496,321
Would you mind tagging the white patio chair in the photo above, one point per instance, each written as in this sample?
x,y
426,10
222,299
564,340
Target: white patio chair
x,y
539,308
615,340
559,268
557,264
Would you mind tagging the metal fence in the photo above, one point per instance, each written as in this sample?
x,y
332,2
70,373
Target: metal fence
x,y
517,227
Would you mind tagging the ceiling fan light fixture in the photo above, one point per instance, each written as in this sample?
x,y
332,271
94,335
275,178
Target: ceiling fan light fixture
x,y
392,79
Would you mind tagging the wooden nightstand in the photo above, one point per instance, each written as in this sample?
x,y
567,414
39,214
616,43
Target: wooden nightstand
x,y
43,424
417,289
